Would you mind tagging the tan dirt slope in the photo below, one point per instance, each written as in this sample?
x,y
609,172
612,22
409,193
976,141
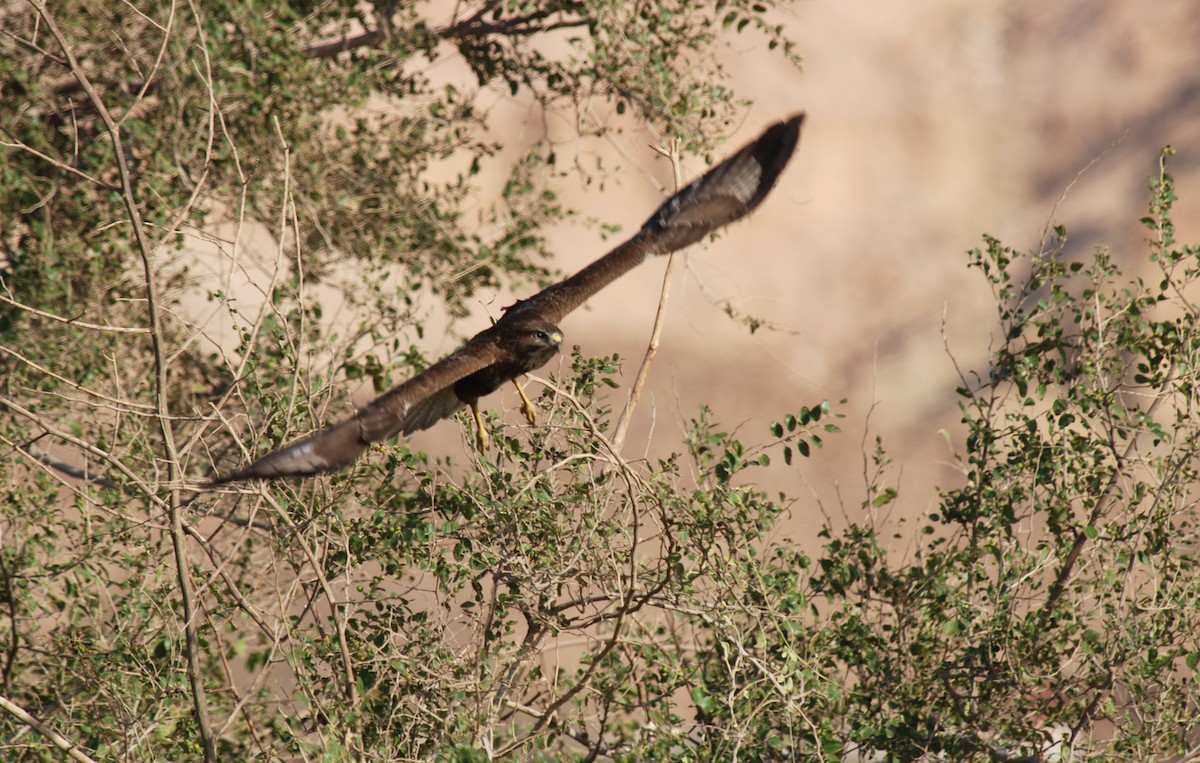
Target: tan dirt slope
x,y
931,122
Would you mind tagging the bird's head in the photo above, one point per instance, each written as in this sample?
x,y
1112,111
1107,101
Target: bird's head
x,y
536,342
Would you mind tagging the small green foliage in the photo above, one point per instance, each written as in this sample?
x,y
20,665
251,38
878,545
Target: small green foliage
x,y
311,148
1039,589
547,599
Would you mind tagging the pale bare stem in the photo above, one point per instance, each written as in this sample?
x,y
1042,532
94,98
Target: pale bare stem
x,y
626,610
198,186
787,695
1066,191
268,305
630,601
137,487
582,738
198,331
631,478
231,684
56,164
198,183
725,305
191,621
231,145
84,445
276,637
286,597
73,321
288,216
660,314
115,404
313,557
1110,494
148,80
341,610
58,740
27,43
535,636
550,469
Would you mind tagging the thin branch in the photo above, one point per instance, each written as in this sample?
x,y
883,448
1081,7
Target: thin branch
x,y
660,314
74,321
72,750
84,445
32,46
191,620
99,479
123,406
1110,494
523,26
56,163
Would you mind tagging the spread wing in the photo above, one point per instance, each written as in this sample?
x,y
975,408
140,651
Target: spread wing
x,y
727,192
416,404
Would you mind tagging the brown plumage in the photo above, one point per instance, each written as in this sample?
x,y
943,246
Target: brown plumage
x,y
527,335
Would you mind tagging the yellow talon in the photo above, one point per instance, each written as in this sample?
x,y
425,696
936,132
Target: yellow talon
x,y
527,406
481,435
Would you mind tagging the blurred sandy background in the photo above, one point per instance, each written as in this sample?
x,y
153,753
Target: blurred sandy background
x,y
931,122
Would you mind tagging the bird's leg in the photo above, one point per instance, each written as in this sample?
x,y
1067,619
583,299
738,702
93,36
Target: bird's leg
x,y
527,406
481,436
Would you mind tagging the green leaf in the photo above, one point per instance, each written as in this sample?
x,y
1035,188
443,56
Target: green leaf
x,y
886,496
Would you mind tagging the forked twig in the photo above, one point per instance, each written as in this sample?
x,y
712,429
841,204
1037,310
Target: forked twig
x,y
59,741
145,249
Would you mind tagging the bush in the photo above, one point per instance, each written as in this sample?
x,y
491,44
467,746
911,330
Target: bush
x,y
550,599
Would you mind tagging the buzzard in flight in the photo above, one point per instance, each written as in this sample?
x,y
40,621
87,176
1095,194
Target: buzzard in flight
x,y
527,335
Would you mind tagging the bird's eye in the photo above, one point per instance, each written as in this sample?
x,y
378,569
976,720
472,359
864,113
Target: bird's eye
x,y
543,336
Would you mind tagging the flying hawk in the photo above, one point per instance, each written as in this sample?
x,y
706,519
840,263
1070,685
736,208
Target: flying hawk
x,y
527,335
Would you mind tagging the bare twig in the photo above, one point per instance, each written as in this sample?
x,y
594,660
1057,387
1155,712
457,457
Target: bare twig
x,y
125,406
74,321
61,742
459,30
191,620
635,394
1110,494
62,434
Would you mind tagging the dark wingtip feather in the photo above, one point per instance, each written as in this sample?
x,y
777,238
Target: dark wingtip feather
x,y
727,192
326,450
773,150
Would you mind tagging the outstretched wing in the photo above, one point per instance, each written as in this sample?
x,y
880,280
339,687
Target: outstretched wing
x,y
405,407
725,193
